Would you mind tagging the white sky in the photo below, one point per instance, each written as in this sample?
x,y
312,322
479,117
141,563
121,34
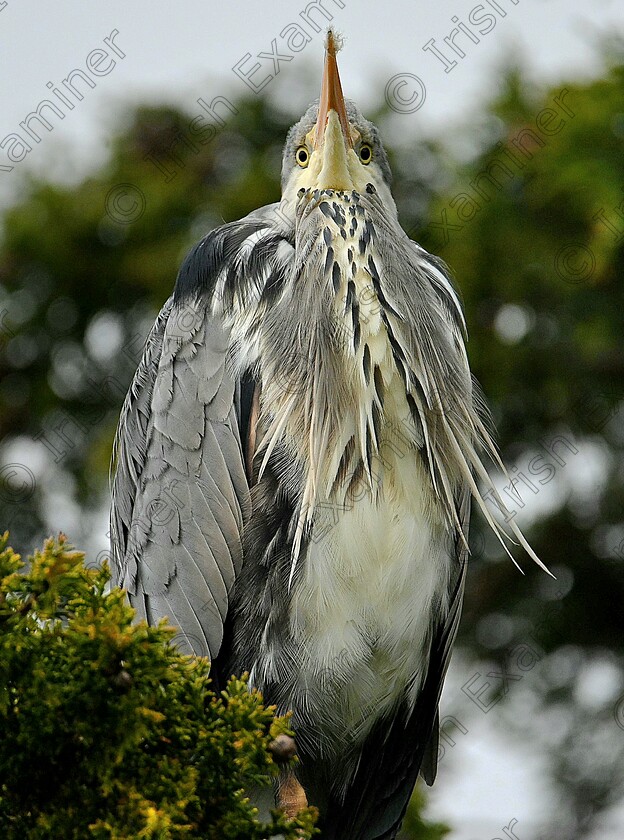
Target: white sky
x,y
177,52
180,51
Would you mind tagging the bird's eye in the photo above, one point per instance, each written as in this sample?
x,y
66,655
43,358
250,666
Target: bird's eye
x,y
303,156
366,153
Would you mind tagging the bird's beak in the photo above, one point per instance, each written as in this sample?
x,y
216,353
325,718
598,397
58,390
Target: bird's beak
x,y
332,98
332,135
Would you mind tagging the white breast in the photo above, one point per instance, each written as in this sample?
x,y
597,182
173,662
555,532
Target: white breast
x,y
362,610
378,561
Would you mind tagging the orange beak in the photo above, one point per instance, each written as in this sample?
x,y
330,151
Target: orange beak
x,y
332,98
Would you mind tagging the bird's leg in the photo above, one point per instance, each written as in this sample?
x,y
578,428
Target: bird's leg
x,y
291,796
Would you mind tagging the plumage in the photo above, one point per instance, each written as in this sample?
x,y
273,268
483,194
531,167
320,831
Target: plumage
x,y
294,465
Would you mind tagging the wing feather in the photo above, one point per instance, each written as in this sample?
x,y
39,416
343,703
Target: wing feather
x,y
180,496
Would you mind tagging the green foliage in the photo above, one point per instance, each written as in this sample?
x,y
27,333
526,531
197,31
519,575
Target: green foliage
x,y
538,251
107,731
540,272
416,827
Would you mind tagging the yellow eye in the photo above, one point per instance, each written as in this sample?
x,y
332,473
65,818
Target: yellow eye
x,y
302,156
366,154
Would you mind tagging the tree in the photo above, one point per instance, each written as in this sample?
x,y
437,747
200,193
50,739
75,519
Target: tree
x,y
538,251
535,236
107,731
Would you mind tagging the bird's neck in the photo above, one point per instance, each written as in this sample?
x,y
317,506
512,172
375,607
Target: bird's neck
x,y
336,392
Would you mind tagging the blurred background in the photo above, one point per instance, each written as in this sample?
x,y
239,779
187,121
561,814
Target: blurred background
x,y
128,132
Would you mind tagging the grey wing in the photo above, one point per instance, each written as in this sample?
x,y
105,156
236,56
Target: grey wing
x,y
179,495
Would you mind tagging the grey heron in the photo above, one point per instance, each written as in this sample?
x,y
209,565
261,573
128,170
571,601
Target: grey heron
x,y
295,462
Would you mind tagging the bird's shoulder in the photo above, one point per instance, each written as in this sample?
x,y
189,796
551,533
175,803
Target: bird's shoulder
x,y
235,260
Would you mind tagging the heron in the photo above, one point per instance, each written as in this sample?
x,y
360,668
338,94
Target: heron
x,y
294,467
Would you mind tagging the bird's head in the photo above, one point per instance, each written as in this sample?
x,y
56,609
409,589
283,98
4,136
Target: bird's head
x,y
333,147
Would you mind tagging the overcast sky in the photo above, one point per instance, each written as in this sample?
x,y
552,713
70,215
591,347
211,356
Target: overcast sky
x,y
179,52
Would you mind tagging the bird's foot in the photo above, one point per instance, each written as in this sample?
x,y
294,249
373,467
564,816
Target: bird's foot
x,y
291,796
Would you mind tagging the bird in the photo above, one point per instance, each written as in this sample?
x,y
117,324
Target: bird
x,y
294,468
